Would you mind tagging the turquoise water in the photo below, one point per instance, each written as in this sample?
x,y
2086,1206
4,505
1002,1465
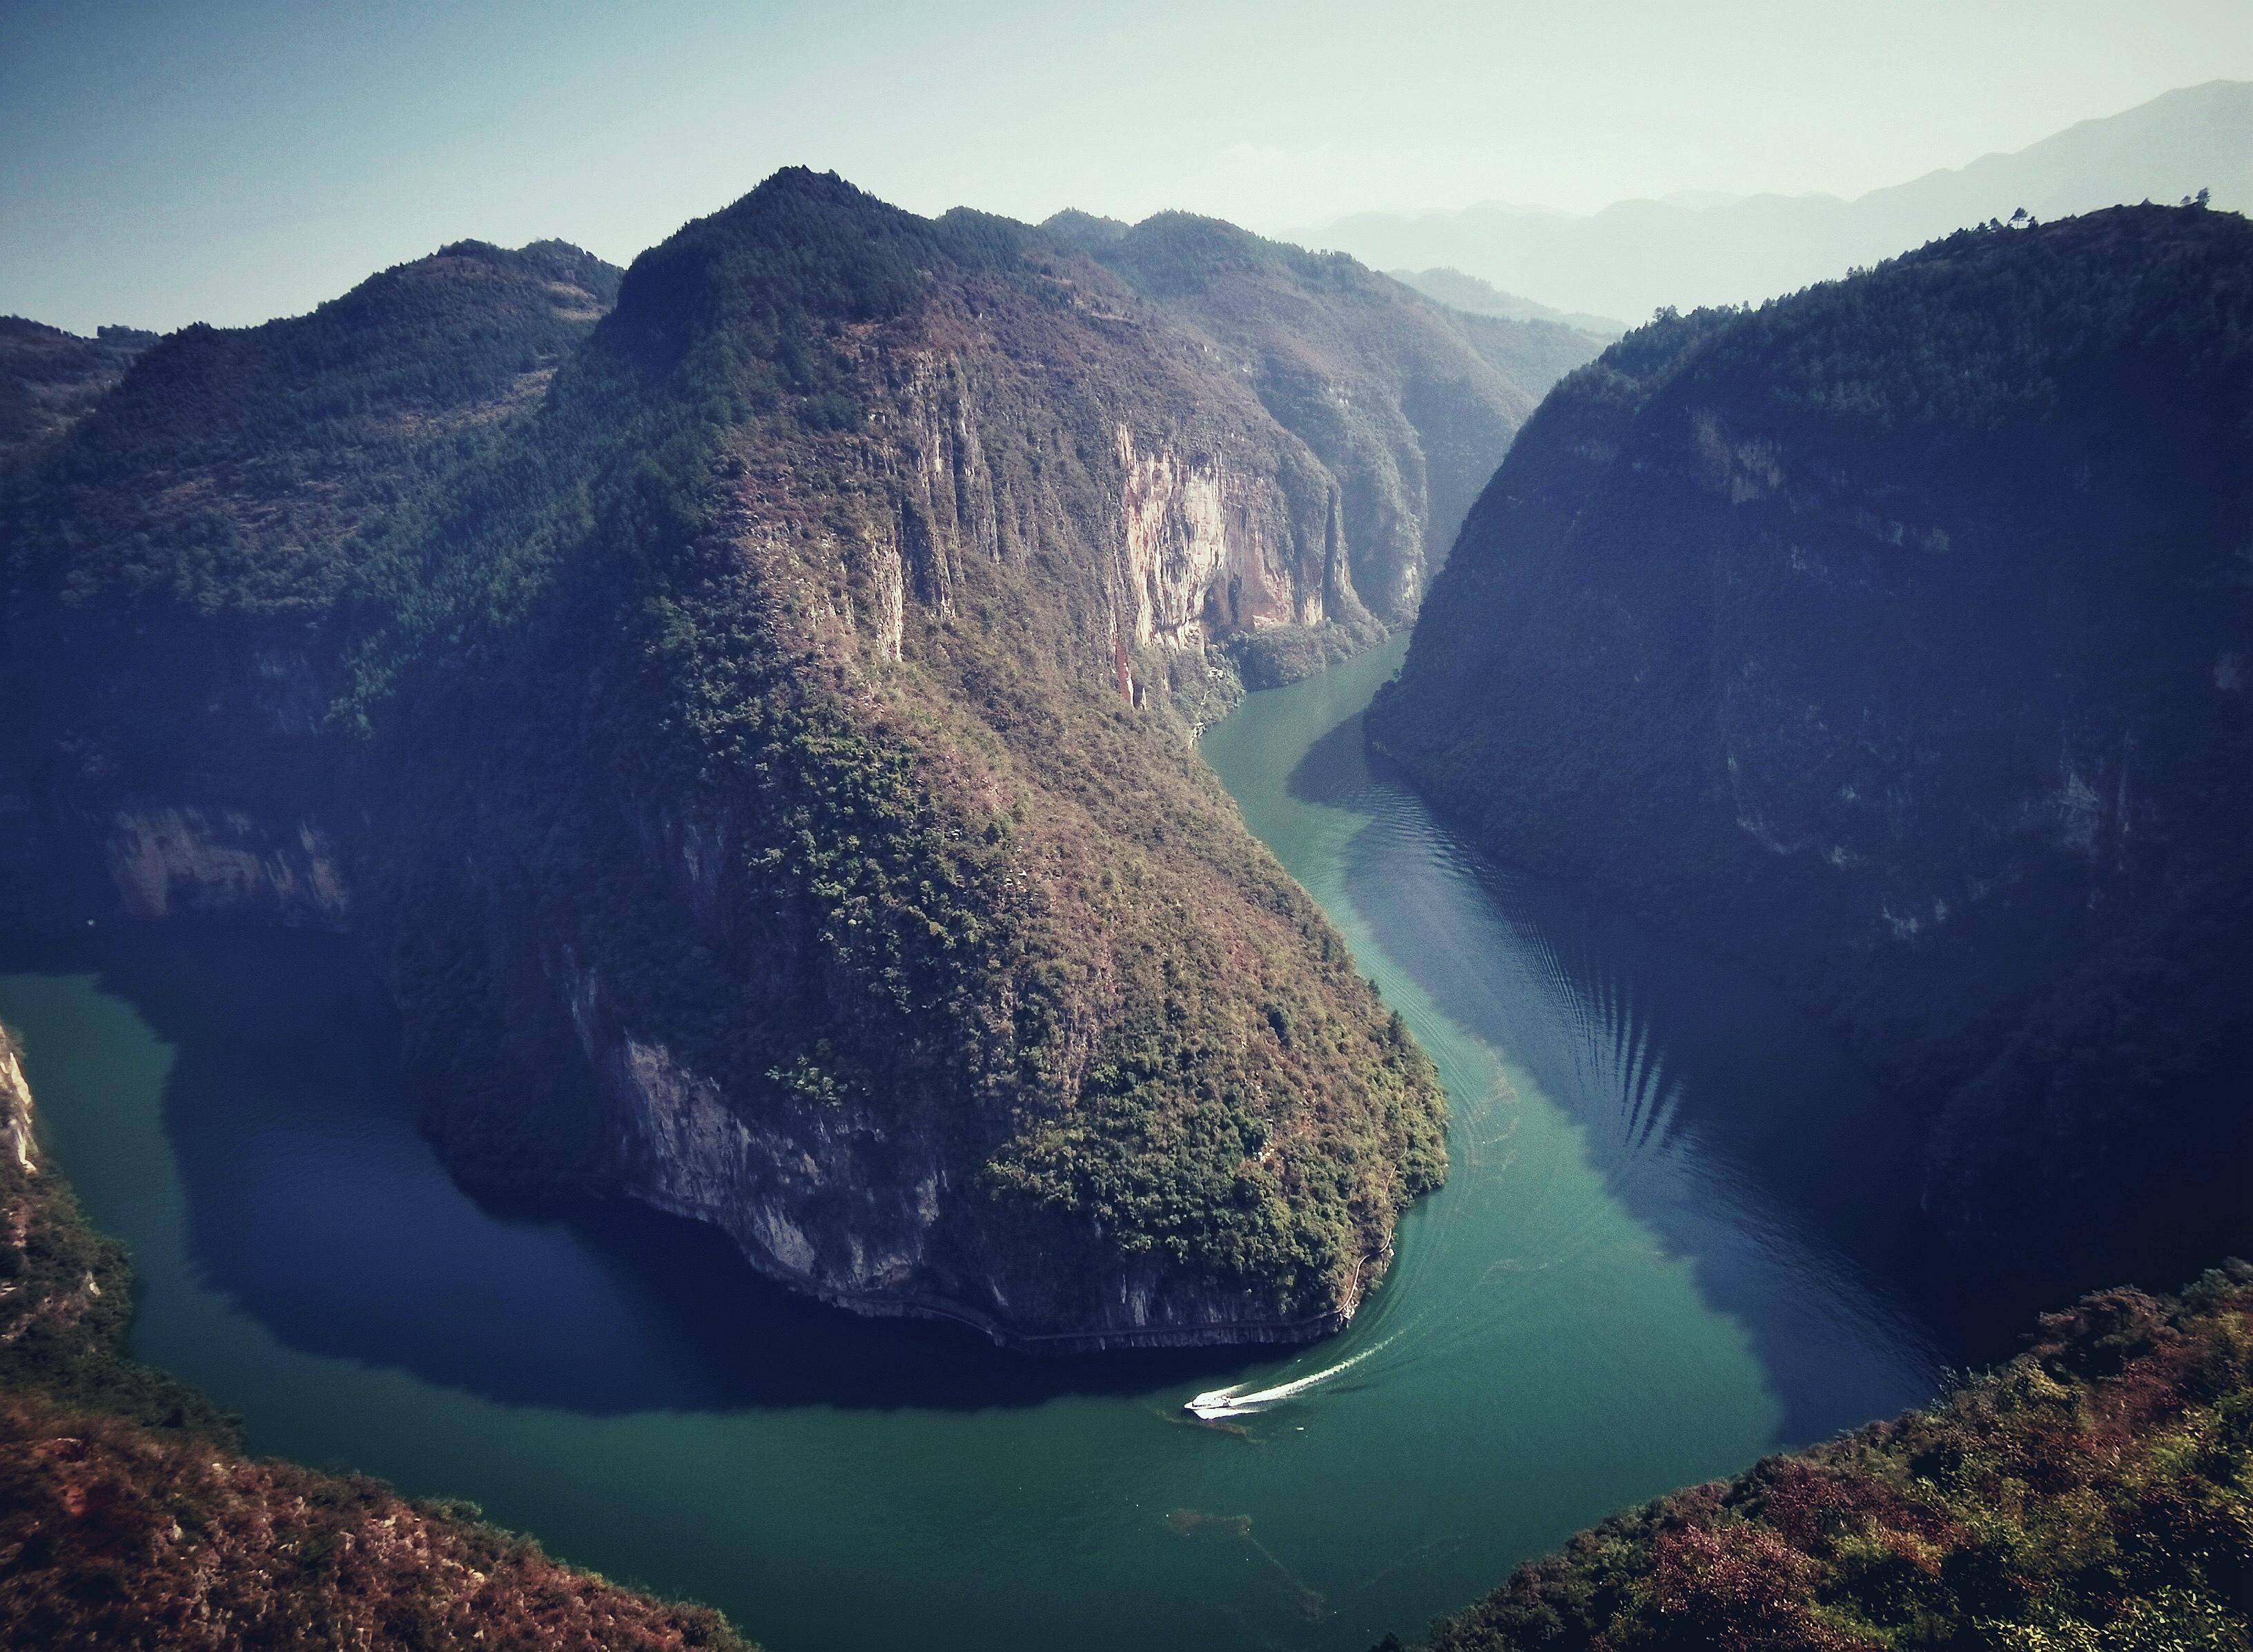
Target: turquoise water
x,y
1663,1252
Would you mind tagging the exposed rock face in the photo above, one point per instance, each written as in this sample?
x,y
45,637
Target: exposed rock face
x,y
1888,634
1409,404
754,762
171,860
1196,558
17,1143
835,1203
164,766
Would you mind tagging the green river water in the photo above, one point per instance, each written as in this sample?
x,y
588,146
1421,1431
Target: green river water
x,y
1664,1252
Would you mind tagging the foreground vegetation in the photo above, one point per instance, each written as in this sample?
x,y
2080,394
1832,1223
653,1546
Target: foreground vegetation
x,y
2094,1493
131,1518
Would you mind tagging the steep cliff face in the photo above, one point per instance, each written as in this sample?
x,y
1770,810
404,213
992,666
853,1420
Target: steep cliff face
x,y
16,1138
1409,404
166,861
761,760
1891,633
921,955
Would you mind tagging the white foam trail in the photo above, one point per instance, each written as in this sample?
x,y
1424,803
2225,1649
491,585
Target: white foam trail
x,y
1217,1403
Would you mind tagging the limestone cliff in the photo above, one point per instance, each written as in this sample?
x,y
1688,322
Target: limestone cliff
x,y
1409,404
17,1143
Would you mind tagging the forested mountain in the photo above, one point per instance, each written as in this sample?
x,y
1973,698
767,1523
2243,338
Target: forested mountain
x,y
2091,1494
754,744
237,468
1895,635
1409,404
180,568
50,378
1636,255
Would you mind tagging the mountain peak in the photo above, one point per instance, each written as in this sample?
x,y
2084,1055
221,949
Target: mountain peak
x,y
802,245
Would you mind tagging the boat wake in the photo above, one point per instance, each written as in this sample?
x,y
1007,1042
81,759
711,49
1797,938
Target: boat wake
x,y
1221,1404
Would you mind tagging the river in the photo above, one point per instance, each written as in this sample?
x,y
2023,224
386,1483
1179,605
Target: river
x,y
1665,1250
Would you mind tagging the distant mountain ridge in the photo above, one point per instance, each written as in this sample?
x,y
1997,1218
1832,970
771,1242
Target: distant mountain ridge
x,y
1476,297
1634,256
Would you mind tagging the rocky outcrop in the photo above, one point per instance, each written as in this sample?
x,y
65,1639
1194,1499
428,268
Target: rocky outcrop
x,y
16,1143
1223,527
835,1202
165,861
1903,666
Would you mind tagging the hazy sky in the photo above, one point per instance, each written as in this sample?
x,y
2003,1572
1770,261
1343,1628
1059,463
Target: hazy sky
x,y
165,162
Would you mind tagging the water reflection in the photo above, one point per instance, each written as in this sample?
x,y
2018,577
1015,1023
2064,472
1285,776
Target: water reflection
x,y
1736,1128
315,1205
1545,1349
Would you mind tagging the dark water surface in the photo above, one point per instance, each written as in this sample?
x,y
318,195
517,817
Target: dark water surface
x,y
1664,1252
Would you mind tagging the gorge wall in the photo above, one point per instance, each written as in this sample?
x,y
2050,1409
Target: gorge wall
x,y
1410,405
1892,635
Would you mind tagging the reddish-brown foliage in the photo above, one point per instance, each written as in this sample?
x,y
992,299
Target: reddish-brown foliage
x,y
115,1536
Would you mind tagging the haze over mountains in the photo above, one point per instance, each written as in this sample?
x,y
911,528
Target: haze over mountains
x,y
1691,249
1476,297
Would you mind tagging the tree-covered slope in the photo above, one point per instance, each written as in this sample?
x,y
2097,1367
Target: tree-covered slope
x,y
180,569
50,378
2096,1492
236,467
919,949
1896,634
1409,403
762,766
131,1518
